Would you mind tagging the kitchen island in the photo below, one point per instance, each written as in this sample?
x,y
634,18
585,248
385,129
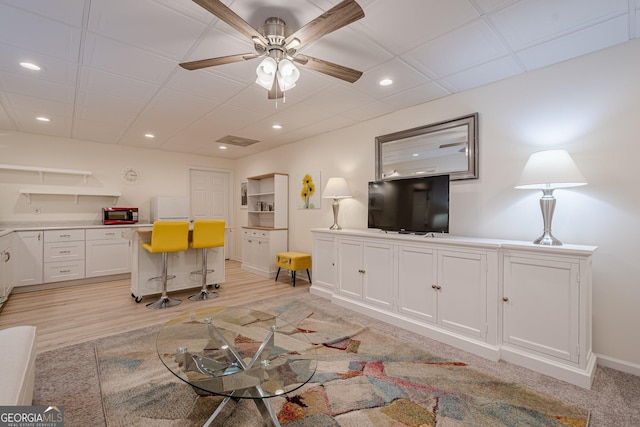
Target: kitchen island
x,y
146,266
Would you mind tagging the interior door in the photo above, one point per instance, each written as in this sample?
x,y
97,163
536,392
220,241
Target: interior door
x,y
210,198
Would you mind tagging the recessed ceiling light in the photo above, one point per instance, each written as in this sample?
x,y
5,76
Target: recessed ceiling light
x,y
415,154
223,147
30,66
149,135
385,82
276,126
43,119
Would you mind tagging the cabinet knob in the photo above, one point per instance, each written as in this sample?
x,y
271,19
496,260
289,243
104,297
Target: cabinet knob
x,y
505,299
436,287
361,271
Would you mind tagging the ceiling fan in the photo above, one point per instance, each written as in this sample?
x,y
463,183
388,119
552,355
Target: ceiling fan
x,y
280,46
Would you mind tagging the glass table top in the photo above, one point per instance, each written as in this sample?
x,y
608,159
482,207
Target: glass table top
x,y
236,352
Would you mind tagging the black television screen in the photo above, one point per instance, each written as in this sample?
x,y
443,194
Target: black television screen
x,y
413,205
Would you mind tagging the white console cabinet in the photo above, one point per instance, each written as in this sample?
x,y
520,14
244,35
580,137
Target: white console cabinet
x,y
524,303
6,266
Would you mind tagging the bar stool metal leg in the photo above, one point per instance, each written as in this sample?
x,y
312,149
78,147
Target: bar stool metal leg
x,y
165,301
204,291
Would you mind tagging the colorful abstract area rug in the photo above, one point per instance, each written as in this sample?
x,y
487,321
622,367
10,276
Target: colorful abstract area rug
x,y
363,378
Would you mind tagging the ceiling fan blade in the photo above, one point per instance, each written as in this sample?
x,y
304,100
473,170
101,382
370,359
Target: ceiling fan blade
x,y
329,68
221,11
333,19
275,92
204,63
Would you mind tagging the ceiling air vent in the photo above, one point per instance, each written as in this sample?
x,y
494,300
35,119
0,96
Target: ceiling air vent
x,y
237,140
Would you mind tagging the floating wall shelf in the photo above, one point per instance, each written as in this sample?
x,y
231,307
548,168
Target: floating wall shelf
x,y
42,171
70,191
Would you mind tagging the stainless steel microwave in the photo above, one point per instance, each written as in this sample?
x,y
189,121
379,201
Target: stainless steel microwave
x,y
119,216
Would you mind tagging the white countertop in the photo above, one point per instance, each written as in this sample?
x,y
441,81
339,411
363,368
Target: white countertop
x,y
8,227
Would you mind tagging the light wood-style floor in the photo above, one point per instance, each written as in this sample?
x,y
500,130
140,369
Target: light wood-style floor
x,y
70,315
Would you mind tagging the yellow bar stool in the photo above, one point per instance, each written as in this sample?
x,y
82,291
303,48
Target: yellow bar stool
x,y
207,233
167,236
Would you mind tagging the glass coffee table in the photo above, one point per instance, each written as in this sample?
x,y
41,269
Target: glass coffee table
x,y
238,353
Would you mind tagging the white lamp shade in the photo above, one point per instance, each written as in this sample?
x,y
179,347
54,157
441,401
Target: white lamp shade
x,y
287,74
336,188
266,72
550,169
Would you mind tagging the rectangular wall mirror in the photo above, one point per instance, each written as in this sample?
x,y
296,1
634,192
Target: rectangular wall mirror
x,y
448,147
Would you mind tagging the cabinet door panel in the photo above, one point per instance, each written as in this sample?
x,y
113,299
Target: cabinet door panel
x,y
378,274
463,292
350,268
324,263
541,313
106,257
416,276
28,266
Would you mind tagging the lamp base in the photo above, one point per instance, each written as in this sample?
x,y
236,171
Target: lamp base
x,y
336,207
547,239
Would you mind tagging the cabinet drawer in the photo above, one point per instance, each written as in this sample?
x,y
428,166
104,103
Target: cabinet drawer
x,y
63,235
105,234
63,251
260,233
59,271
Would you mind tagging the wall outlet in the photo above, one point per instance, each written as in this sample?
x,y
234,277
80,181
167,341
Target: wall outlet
x,y
36,210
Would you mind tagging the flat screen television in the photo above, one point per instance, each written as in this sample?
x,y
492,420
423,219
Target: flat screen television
x,y
412,205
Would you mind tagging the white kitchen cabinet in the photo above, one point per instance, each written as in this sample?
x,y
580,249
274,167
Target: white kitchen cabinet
x,y
107,252
324,264
266,232
366,271
500,299
63,255
259,249
28,256
6,271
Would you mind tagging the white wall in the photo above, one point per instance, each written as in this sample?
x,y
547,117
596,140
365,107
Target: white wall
x,y
589,106
161,173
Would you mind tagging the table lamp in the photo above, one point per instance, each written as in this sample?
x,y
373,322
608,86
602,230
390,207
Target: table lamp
x,y
546,171
336,189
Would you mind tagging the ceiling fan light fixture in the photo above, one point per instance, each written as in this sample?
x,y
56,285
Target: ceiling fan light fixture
x,y
266,72
287,74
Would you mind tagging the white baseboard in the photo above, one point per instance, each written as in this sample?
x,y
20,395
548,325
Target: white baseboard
x,y
618,365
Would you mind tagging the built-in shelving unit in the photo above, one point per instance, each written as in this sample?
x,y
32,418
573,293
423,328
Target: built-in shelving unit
x,y
70,191
42,171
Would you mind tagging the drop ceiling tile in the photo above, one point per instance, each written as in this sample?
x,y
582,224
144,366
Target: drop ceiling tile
x,y
491,5
329,124
51,38
419,95
255,12
369,111
531,22
404,77
15,83
339,99
67,11
348,48
55,70
483,74
191,9
114,86
98,107
474,44
254,98
99,131
38,106
145,24
5,122
168,113
401,28
60,124
205,84
119,58
575,44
